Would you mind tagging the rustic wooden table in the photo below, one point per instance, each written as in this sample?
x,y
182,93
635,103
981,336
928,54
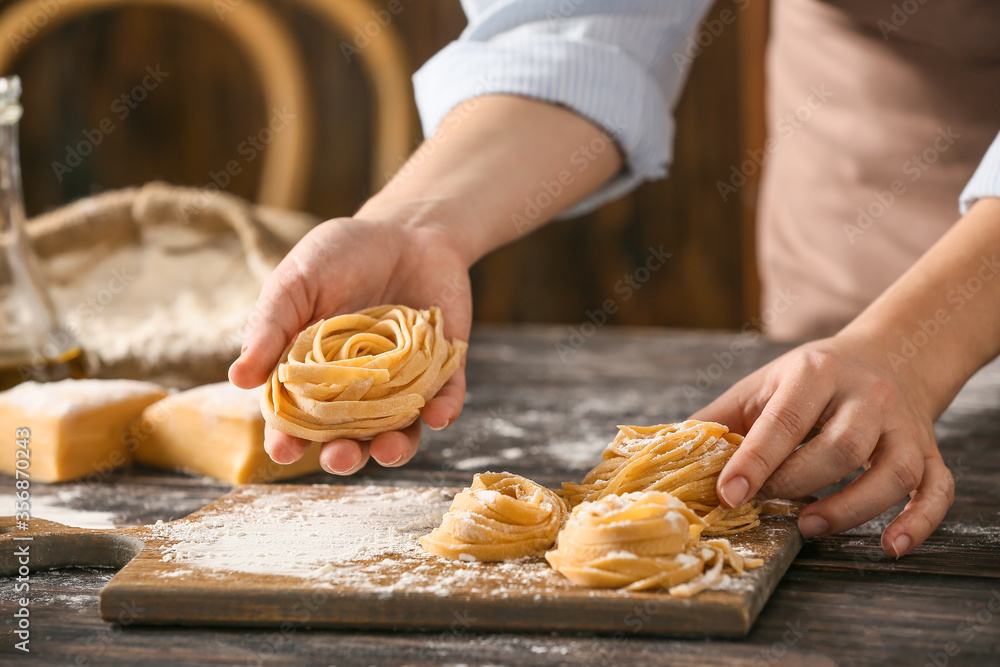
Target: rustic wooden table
x,y
545,414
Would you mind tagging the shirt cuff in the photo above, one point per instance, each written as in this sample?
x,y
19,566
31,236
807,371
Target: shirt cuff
x,y
596,80
985,182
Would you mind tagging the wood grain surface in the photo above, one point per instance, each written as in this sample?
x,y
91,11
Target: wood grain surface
x,y
534,413
397,591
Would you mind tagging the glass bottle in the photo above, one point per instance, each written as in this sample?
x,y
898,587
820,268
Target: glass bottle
x,y
33,344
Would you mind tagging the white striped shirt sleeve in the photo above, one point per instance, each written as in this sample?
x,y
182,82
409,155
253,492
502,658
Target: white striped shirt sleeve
x,y
619,63
985,182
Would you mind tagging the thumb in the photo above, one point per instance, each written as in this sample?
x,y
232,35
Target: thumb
x,y
282,311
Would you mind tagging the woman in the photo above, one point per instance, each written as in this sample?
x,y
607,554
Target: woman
x,y
878,114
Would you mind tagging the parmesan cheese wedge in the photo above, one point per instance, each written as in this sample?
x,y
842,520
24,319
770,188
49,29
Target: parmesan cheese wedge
x,y
75,428
214,430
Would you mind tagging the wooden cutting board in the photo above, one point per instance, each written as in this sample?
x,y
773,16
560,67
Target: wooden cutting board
x,y
347,556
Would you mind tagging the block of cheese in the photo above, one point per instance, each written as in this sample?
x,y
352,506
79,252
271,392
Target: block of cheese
x,y
76,428
214,430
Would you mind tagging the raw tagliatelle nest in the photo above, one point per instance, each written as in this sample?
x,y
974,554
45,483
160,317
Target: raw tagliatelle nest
x,y
639,519
358,375
640,541
500,517
683,459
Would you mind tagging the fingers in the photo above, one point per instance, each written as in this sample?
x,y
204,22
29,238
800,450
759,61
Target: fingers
x,y
442,410
282,311
283,448
391,449
785,421
924,512
396,448
896,470
845,444
343,457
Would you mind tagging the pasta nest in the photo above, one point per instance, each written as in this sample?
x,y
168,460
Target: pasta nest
x,y
639,541
500,517
358,375
682,459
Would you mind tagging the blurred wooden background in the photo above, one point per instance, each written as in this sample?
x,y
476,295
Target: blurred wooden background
x,y
192,123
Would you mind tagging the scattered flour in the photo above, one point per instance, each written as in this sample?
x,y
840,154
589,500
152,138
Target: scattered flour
x,y
367,541
476,463
70,397
576,454
176,574
211,292
507,429
219,400
74,601
610,406
53,509
303,536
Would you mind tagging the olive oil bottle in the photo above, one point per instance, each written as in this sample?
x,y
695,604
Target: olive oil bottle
x,y
33,343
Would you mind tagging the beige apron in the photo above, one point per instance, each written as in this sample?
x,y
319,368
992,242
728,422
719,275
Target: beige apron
x,y
878,114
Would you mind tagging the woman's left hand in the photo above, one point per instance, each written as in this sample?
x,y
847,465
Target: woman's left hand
x,y
871,415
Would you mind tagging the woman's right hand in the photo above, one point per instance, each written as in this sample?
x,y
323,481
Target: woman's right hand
x,y
342,266
456,199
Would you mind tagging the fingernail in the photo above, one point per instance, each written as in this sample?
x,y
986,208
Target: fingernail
x,y
813,525
337,471
440,428
901,545
734,492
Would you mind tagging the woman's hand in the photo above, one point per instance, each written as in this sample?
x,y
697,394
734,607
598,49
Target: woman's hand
x,y
455,200
342,266
871,416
